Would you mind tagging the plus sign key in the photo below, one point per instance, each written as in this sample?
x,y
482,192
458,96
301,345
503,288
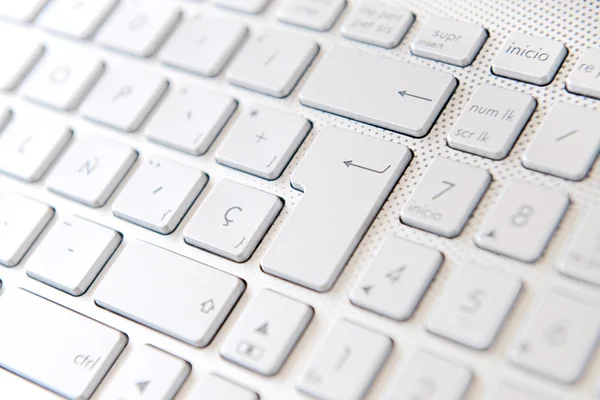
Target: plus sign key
x,y
263,141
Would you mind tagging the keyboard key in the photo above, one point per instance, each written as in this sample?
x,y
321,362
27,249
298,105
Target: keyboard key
x,y
386,93
378,23
21,222
474,308
446,197
232,220
585,76
62,78
266,333
263,141
347,363
124,97
428,377
529,58
149,373
509,392
559,339
59,349
138,28
567,144
11,383
397,278
91,170
159,194
21,10
214,387
449,41
582,258
29,146
319,16
24,52
194,300
273,62
203,45
523,221
491,122
190,119
248,6
77,18
72,254
341,168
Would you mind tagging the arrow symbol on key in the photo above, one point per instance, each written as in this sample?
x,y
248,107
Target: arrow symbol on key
x,y
405,93
350,163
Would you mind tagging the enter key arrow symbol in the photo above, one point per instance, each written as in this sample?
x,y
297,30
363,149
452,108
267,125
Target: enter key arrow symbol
x,y
404,93
350,163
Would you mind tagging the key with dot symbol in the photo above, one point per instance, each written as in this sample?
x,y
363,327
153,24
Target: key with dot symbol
x,y
232,220
190,119
445,197
522,221
346,364
475,306
263,141
72,253
559,339
397,278
159,194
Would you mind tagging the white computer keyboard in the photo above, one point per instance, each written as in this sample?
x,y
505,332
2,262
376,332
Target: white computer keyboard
x,y
294,199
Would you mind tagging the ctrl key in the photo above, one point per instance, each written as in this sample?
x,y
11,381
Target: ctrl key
x,y
54,347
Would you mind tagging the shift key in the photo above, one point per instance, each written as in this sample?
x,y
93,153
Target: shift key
x,y
53,346
390,94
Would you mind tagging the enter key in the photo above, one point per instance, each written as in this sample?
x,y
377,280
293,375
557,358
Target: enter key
x,y
345,177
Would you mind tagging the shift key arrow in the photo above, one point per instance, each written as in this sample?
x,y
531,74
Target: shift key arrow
x,y
405,93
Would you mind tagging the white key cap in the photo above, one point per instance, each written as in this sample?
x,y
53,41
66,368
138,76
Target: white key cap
x,y
91,170
509,392
24,52
475,306
263,141
567,144
214,387
582,258
21,10
21,222
346,364
446,197
55,347
149,373
523,221
232,220
273,62
203,45
317,15
529,58
397,278
449,41
159,194
428,377
190,119
124,97
77,18
195,298
585,76
14,384
138,28
491,122
29,146
62,78
345,178
266,333
72,254
387,93
249,6
559,339
378,23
